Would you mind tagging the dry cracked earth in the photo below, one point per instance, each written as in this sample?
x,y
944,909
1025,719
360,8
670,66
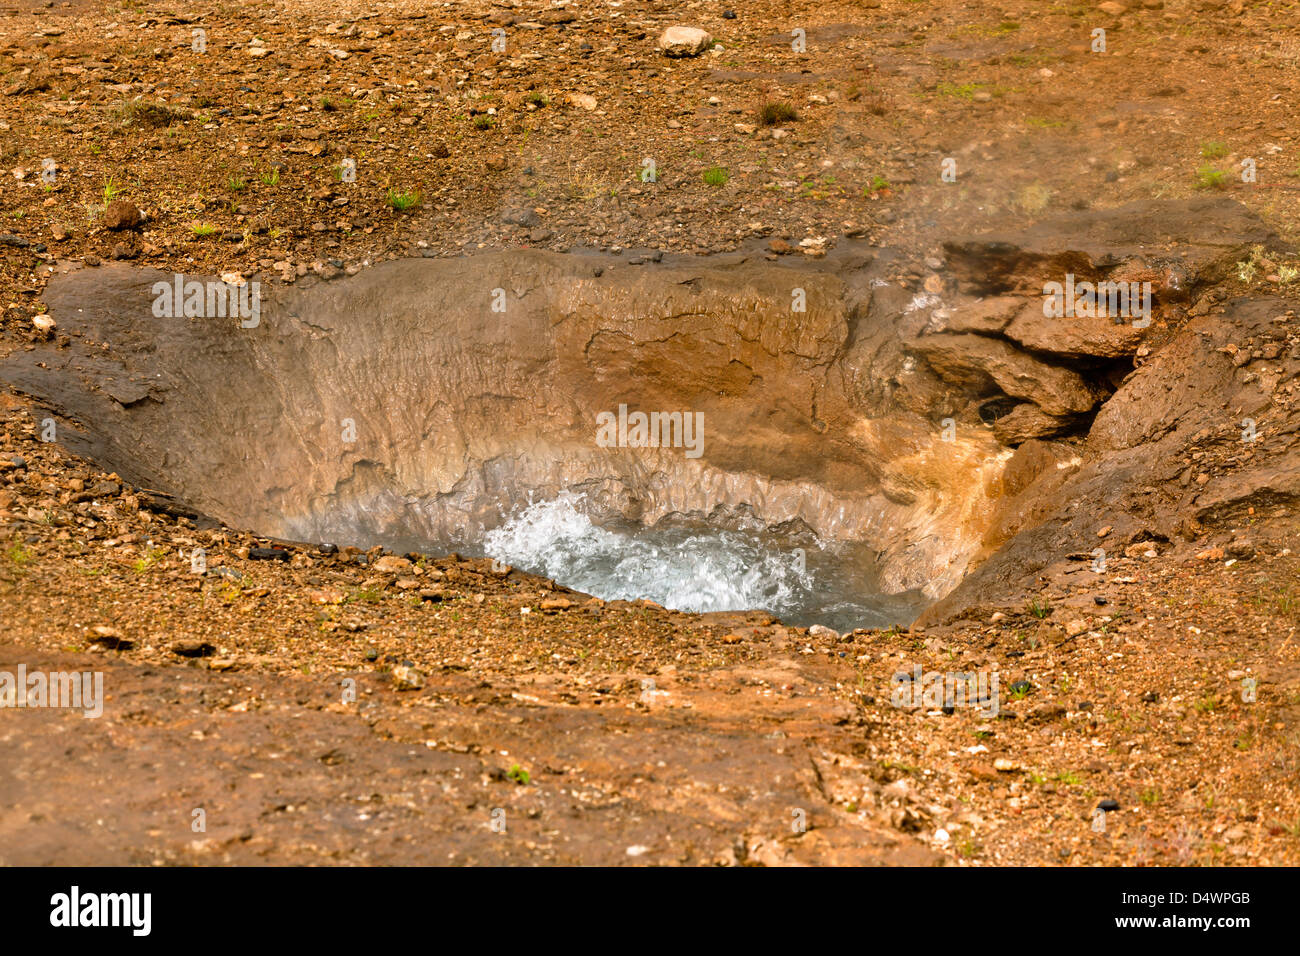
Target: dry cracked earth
x,y
301,703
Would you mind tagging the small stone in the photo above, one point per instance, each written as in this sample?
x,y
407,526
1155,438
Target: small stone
x,y
1003,765
109,637
407,678
122,214
44,324
520,217
392,564
1240,548
822,631
1108,805
192,649
268,554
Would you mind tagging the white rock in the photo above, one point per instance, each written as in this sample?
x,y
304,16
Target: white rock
x,y
684,41
821,630
44,324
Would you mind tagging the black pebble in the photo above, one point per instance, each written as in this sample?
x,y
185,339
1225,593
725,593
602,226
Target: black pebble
x,y
268,554
1108,805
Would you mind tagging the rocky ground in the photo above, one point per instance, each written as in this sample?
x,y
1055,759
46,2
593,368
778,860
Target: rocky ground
x,y
499,718
612,732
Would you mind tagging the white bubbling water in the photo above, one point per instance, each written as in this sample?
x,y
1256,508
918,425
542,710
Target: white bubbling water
x,y
693,568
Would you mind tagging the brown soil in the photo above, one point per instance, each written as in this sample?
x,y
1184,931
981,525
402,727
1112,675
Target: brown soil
x,y
618,732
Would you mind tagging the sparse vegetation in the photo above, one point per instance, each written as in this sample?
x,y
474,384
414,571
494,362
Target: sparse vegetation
x,y
1208,177
402,200
716,176
775,112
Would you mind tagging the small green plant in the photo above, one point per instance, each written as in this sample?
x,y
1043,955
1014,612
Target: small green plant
x,y
1018,693
148,560
368,595
961,91
272,178
716,176
236,185
18,555
1150,797
111,190
537,99
1207,177
401,201
484,121
203,230
1038,609
878,184
519,775
1213,150
1068,778
327,105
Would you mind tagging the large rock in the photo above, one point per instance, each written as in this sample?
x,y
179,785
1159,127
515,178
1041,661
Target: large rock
x,y
1075,336
1165,455
1182,240
684,41
1028,421
981,363
987,316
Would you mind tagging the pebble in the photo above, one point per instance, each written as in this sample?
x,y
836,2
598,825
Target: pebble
x,y
407,678
268,554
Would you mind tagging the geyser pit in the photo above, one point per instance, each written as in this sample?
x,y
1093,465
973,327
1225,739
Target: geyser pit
x,y
454,405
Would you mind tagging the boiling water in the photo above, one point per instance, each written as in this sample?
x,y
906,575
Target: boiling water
x,y
694,567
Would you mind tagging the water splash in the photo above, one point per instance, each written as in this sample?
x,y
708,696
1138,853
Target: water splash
x,y
693,567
